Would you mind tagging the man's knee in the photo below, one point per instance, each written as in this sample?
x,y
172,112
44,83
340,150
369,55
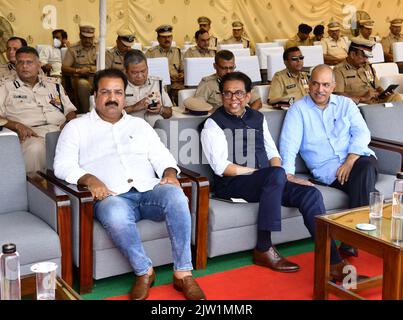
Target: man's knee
x,y
366,166
172,195
274,175
112,211
34,153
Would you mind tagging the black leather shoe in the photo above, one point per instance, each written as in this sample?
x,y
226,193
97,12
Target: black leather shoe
x,y
346,251
272,259
337,275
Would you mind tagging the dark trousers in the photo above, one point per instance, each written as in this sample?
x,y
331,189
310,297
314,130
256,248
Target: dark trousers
x,y
361,181
269,187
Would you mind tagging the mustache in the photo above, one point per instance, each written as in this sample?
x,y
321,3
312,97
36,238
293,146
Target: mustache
x,y
111,103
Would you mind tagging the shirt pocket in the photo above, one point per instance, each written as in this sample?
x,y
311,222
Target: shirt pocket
x,y
341,128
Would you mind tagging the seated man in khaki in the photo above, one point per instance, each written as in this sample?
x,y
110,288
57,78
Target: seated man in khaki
x,y
205,24
114,57
80,61
208,90
201,50
7,70
365,28
394,36
355,77
174,56
334,47
146,96
33,105
301,38
291,83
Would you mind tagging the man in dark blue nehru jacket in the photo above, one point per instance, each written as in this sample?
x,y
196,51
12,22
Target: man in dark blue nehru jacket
x,y
259,177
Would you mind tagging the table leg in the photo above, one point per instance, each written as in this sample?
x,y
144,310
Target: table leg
x,y
322,260
392,275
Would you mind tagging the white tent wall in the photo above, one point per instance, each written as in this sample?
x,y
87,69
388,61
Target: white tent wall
x,y
264,20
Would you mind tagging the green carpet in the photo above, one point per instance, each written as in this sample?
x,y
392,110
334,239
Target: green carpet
x,y
122,284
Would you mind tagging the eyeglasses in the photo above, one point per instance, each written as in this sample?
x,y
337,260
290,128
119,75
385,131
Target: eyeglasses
x,y
239,94
230,68
326,85
297,58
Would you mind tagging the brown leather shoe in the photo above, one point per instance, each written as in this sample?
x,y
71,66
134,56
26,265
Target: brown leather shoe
x,y
337,275
141,286
273,260
189,287
346,250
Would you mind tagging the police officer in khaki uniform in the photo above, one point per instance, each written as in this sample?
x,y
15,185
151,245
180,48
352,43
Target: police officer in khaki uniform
x,y
201,50
80,62
394,36
205,24
291,83
146,97
334,47
238,36
114,57
208,88
301,38
33,105
7,70
365,29
165,49
355,77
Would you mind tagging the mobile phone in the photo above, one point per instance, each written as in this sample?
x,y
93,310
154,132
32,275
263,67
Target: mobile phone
x,y
153,104
389,89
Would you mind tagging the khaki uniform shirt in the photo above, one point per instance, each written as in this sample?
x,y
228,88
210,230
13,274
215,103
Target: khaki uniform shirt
x,y
372,38
387,42
354,81
196,52
285,86
7,71
337,49
114,59
209,91
135,93
296,42
78,57
245,41
174,61
213,42
34,107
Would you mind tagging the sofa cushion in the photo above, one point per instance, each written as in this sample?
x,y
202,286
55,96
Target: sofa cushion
x,y
34,238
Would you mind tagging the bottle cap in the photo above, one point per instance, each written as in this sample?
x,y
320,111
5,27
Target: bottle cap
x,y
9,248
399,175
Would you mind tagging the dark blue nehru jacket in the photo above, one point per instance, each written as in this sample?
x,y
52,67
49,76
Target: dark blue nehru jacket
x,y
244,137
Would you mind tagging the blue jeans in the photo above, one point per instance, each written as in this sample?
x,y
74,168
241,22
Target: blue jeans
x,y
119,215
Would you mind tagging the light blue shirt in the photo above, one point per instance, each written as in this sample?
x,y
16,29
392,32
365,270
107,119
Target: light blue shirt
x,y
323,137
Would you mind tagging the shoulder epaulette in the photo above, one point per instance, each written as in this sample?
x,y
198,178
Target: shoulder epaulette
x,y
16,84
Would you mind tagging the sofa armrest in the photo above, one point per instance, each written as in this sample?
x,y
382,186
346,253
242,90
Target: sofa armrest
x,y
201,210
52,205
390,156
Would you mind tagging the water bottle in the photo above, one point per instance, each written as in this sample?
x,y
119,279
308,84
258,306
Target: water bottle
x,y
10,273
397,210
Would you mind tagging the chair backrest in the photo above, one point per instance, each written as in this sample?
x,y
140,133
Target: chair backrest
x,y
260,45
250,66
184,94
393,79
159,67
275,63
275,119
13,185
377,53
137,45
197,68
385,69
51,142
281,42
313,55
222,46
262,54
63,52
240,52
263,92
40,47
397,51
384,123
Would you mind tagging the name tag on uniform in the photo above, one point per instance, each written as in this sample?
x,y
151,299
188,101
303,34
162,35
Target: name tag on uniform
x,y
290,86
334,46
116,62
350,77
129,95
20,96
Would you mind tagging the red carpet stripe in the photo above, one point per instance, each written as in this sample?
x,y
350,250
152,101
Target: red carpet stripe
x,y
259,283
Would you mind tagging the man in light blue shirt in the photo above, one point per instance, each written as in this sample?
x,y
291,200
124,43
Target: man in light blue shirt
x,y
332,137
